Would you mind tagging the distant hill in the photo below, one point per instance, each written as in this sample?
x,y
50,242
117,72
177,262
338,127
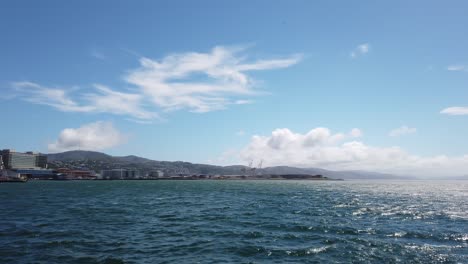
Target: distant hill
x,y
133,159
464,178
78,155
98,161
354,174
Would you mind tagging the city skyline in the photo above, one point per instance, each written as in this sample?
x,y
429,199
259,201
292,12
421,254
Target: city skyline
x,y
384,88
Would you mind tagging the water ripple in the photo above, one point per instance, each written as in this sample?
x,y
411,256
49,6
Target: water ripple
x,y
234,222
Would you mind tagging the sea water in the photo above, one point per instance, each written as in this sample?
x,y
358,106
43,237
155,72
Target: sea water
x,y
234,222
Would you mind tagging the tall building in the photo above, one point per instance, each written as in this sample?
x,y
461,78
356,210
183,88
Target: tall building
x,y
41,161
18,160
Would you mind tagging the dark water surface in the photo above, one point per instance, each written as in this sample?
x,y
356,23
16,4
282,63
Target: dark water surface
x,y
234,222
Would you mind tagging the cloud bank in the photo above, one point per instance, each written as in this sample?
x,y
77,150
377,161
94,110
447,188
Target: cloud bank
x,y
94,136
337,151
197,82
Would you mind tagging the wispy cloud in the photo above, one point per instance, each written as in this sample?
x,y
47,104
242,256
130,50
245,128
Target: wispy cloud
x,y
455,110
94,136
360,50
103,100
321,148
120,103
201,82
58,98
197,82
403,130
458,67
242,102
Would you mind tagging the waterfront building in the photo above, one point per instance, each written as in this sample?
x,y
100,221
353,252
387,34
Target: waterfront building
x,y
41,161
69,174
17,160
119,174
156,174
38,174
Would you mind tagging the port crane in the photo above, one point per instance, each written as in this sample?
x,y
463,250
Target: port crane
x,y
260,165
251,170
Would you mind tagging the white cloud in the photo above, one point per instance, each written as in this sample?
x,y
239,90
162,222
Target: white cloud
x,y
360,50
201,82
403,130
109,101
94,136
104,100
242,102
456,110
363,48
457,67
321,148
54,97
197,82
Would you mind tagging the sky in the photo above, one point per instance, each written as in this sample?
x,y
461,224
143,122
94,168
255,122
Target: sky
x,y
342,85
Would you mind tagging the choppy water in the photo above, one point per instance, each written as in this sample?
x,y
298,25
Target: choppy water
x,y
234,221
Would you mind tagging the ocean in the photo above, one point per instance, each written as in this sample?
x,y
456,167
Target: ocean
x,y
234,222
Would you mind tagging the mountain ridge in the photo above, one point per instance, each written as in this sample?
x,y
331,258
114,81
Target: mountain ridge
x,y
98,161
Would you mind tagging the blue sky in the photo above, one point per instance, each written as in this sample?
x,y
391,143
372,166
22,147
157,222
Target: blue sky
x,y
229,82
